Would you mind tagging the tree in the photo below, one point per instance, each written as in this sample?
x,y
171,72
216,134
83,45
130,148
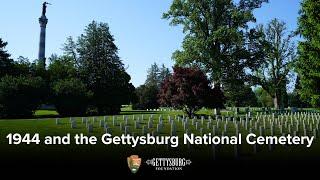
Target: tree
x,y
62,67
102,70
70,49
20,96
163,74
157,75
264,99
239,94
6,64
153,75
294,99
218,38
147,94
147,97
70,97
280,57
188,89
308,49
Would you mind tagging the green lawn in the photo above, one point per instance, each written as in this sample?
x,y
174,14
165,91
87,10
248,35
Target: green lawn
x,y
47,126
40,113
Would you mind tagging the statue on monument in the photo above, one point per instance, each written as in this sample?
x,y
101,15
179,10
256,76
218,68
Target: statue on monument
x,y
44,8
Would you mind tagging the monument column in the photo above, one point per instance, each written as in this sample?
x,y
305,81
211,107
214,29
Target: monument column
x,y
42,43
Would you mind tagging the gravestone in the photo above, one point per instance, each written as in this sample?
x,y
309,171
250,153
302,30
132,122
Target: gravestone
x,y
158,128
101,123
126,121
213,130
121,126
173,130
90,128
144,131
136,124
114,121
150,124
208,125
185,126
73,125
201,131
126,130
197,125
57,121
108,130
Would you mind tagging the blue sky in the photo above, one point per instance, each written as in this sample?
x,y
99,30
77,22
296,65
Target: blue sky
x,y
141,35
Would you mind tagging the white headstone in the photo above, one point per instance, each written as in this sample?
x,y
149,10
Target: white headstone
x,y
73,124
57,121
90,128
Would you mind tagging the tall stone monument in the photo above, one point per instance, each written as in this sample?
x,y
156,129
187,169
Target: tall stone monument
x,y
42,44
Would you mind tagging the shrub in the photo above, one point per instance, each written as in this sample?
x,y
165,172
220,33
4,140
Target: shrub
x,y
71,97
20,96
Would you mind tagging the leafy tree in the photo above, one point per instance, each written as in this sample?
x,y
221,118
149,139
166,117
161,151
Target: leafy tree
x,y
188,89
218,38
163,74
153,75
147,94
294,99
6,64
264,99
147,97
239,94
20,96
100,68
62,68
23,67
273,73
309,57
157,75
70,97
70,49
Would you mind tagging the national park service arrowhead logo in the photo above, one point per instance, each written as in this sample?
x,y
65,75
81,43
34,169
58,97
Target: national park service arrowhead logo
x,y
134,163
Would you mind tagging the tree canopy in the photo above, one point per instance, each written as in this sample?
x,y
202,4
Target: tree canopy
x,y
147,94
308,64
6,64
95,55
188,89
280,56
218,38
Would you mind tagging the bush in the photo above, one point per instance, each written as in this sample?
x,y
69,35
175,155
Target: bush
x,y
20,96
147,97
71,97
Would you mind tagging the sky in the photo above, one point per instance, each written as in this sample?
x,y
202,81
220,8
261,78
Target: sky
x,y
140,33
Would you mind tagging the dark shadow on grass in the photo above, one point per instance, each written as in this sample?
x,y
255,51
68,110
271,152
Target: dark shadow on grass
x,y
121,113
47,116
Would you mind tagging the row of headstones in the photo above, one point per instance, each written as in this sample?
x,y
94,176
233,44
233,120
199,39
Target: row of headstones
x,y
162,109
291,115
123,126
195,123
160,125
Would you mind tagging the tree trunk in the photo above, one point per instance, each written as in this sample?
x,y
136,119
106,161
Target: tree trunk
x,y
217,111
276,99
190,112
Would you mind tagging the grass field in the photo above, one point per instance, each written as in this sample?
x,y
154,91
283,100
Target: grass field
x,y
48,127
